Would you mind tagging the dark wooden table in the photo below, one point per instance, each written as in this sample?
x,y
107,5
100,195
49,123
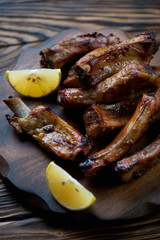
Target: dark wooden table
x,y
26,23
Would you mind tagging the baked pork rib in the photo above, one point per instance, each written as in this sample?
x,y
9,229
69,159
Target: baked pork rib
x,y
136,165
106,61
128,83
147,109
101,120
67,51
53,133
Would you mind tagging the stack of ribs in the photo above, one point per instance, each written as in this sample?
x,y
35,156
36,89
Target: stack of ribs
x,y
117,90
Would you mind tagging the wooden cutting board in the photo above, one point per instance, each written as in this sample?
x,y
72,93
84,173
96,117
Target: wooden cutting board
x,y
24,162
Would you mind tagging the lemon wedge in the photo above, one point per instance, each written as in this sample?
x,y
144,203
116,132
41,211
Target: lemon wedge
x,y
34,83
67,190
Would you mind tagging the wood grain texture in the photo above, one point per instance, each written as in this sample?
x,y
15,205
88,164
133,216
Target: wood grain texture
x,y
24,24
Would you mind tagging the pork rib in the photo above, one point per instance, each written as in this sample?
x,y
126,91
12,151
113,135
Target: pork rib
x,y
53,133
129,82
146,110
104,62
103,119
67,51
136,165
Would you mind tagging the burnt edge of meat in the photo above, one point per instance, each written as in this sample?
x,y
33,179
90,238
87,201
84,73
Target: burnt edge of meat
x,y
45,62
13,121
150,49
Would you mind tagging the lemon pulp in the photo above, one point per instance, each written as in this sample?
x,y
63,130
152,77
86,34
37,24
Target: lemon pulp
x,y
67,190
35,82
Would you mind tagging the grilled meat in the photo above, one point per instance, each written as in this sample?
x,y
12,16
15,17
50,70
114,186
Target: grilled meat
x,y
67,51
103,119
103,62
53,134
148,107
136,165
129,82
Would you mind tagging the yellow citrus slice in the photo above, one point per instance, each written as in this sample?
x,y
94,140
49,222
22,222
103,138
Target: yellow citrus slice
x,y
34,83
67,190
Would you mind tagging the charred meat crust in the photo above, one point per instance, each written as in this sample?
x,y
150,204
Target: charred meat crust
x,y
101,120
136,165
67,51
106,61
133,130
130,82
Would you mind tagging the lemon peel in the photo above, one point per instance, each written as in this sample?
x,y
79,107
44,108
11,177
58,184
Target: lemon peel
x,y
67,190
34,83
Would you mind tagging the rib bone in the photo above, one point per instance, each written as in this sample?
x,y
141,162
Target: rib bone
x,y
52,133
18,107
